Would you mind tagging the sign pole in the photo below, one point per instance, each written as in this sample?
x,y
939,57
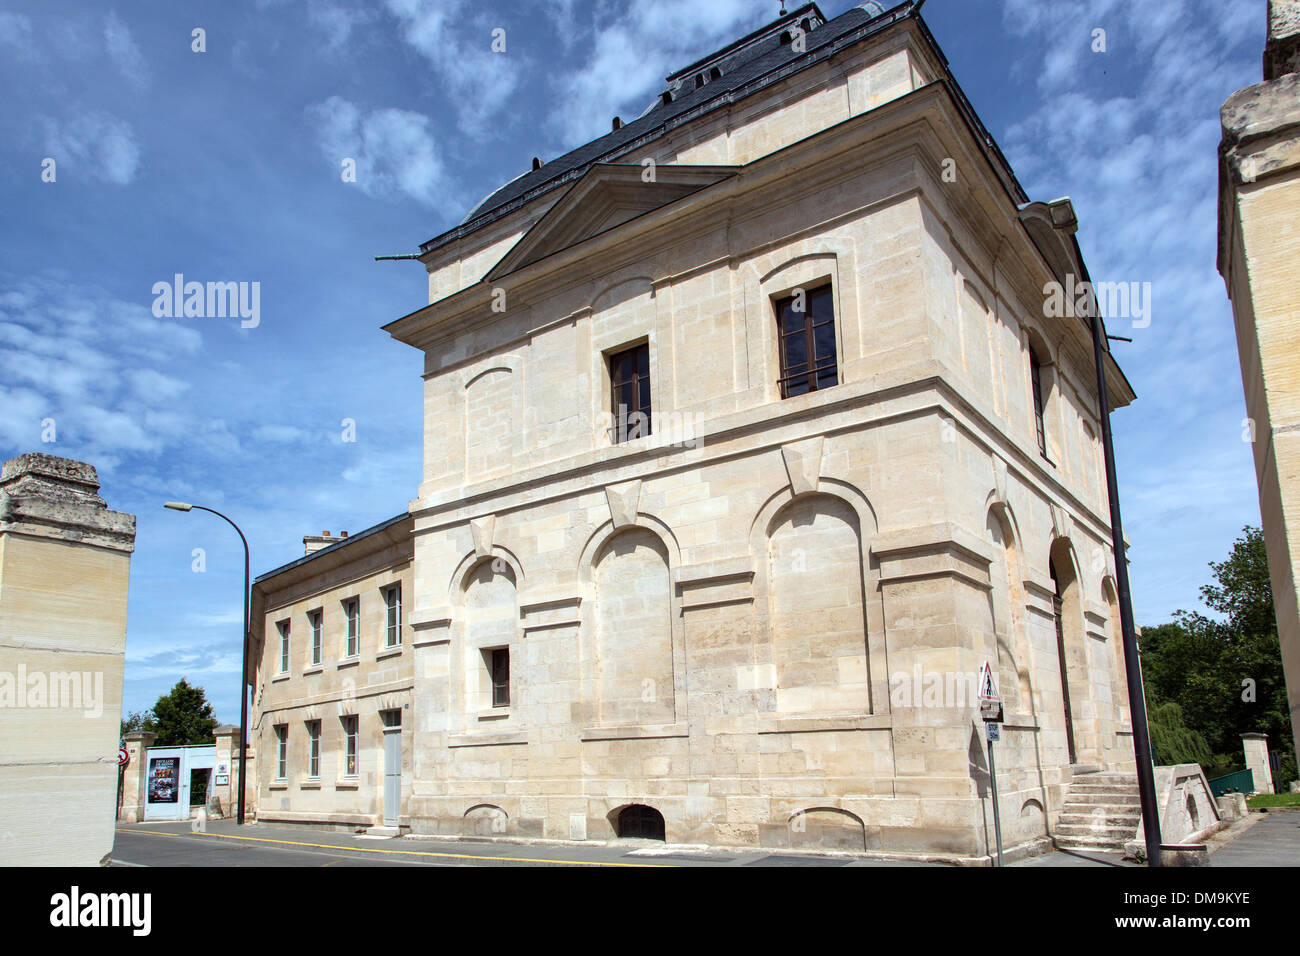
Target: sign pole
x,y
993,783
991,711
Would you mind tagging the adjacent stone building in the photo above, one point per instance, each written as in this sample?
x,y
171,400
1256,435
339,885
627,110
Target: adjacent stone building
x,y
748,440
65,561
1259,249
332,681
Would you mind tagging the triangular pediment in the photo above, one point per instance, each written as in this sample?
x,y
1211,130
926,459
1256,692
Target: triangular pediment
x,y
607,196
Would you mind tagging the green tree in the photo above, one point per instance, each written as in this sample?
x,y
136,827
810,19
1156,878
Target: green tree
x,y
182,716
1224,674
1173,740
135,720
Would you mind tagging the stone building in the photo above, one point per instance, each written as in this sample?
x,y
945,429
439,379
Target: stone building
x,y
333,676
65,561
748,440
1259,247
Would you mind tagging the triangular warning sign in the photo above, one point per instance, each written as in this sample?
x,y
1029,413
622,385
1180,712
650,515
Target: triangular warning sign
x,y
988,689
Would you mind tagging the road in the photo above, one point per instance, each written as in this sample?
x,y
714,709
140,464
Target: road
x,y
1273,840
225,844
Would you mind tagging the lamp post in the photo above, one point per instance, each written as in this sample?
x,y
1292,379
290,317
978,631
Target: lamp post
x,y
243,676
1132,663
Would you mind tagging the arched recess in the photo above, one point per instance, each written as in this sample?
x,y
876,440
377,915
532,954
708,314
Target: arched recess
x,y
1007,595
637,821
484,819
502,556
1070,641
856,513
492,431
817,608
632,657
828,828
1119,679
621,290
490,622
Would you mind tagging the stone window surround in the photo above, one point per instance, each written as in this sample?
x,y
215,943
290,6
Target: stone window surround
x,y
316,634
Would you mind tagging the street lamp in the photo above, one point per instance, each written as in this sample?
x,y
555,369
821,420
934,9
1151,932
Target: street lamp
x,y
243,688
1132,662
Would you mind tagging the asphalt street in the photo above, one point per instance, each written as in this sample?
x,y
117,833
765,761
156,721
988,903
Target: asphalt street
x,y
1272,840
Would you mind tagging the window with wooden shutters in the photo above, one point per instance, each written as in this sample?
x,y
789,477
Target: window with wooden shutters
x,y
806,327
629,376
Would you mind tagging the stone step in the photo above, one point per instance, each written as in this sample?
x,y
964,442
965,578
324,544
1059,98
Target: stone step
x,y
1092,809
1110,831
1116,788
1105,819
1090,843
1104,799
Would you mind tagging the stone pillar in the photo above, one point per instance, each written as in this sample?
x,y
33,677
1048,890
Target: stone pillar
x,y
138,743
1256,747
64,563
227,794
1259,204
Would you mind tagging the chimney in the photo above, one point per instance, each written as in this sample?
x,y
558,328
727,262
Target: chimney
x,y
312,542
1282,51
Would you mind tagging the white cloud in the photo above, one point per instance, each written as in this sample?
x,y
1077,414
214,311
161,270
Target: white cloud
x,y
283,434
473,80
85,360
16,35
336,22
1136,149
96,144
394,150
123,51
618,66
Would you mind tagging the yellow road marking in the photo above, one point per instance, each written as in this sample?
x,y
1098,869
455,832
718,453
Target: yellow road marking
x,y
366,849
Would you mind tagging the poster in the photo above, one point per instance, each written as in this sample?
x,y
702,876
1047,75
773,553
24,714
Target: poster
x,y
164,785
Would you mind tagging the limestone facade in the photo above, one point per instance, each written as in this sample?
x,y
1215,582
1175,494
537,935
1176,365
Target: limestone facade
x,y
65,560
1259,246
330,669
762,620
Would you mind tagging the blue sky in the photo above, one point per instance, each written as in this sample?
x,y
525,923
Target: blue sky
x,y
225,165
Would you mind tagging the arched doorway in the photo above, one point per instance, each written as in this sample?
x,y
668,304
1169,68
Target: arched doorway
x,y
641,821
1065,587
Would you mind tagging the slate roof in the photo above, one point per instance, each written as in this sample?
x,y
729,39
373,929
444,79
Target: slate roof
x,y
746,65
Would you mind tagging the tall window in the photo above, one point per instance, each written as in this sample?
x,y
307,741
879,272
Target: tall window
x,y
1036,380
313,748
281,751
284,646
393,600
500,662
314,619
352,609
350,745
806,322
629,375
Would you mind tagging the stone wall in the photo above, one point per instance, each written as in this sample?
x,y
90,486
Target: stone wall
x,y
1259,203
64,563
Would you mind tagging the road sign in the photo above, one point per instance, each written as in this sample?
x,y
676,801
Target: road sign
x,y
991,711
123,757
988,687
993,730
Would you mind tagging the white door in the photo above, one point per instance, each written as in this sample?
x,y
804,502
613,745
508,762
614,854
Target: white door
x,y
392,766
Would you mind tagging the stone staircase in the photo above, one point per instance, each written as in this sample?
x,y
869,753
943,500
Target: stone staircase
x,y
1100,814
